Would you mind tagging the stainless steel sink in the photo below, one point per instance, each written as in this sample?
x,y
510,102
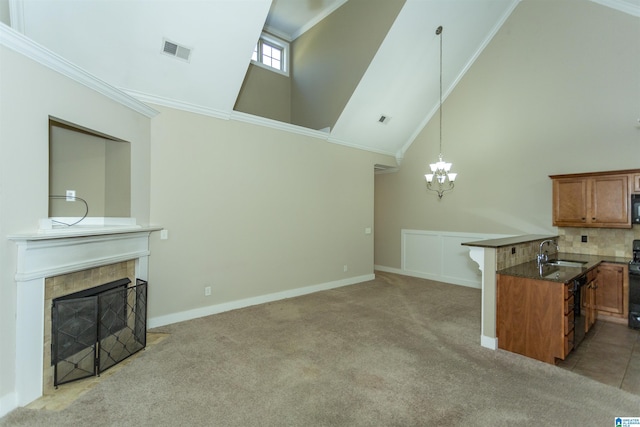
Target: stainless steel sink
x,y
566,263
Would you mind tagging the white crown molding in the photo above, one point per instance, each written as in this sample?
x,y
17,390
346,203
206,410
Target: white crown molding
x,y
281,34
275,124
248,118
20,43
625,6
359,147
178,105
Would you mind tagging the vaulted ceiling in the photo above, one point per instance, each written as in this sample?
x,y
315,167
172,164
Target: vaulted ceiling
x,y
121,43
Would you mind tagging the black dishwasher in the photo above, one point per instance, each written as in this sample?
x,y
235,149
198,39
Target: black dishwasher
x,y
634,287
578,312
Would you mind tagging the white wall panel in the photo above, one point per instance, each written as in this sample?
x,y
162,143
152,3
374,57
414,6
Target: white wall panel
x,y
439,255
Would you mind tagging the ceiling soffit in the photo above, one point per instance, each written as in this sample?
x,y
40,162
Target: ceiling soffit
x,y
401,82
221,35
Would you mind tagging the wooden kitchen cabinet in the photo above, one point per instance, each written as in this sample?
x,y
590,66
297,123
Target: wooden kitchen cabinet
x,y
612,283
599,199
636,183
534,317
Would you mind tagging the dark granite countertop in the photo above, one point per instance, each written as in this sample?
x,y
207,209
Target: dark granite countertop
x,y
555,273
509,241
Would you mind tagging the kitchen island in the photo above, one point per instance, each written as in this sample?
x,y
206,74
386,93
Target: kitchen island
x,y
519,252
544,309
492,255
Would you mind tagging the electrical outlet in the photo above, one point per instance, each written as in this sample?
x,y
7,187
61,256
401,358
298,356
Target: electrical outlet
x,y
207,291
346,268
513,251
71,195
584,239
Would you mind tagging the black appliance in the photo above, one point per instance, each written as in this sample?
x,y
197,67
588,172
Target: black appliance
x,y
578,312
634,287
635,208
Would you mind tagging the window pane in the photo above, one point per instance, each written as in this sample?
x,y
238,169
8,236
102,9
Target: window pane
x,y
271,55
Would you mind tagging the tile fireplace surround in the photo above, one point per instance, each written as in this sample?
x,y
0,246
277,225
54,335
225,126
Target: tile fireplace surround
x,y
43,256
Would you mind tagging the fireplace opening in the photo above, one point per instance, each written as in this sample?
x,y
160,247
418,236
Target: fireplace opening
x,y
94,329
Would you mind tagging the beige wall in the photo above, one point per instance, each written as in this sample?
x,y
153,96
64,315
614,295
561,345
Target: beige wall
x,y
252,211
117,192
76,162
98,169
265,93
330,59
30,94
556,91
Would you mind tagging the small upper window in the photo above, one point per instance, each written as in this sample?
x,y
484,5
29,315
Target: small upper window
x,y
271,53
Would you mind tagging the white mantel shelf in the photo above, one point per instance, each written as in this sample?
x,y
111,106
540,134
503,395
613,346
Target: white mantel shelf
x,y
52,253
63,233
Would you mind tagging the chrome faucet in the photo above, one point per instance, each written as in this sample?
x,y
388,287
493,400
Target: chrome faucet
x,y
544,257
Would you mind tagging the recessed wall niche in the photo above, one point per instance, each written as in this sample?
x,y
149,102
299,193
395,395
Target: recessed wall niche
x,y
97,167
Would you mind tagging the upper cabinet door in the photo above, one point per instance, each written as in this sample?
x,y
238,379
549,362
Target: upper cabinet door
x,y
592,200
610,200
569,201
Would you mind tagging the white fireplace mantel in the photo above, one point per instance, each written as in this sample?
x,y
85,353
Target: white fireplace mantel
x,y
52,254
42,255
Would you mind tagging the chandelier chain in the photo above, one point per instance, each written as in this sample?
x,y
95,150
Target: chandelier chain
x,y
439,32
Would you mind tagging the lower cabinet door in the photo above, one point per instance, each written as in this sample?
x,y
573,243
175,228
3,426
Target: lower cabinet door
x,y
609,290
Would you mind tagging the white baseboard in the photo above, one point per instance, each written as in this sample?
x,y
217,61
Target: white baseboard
x,y
389,269
437,278
487,342
8,403
182,316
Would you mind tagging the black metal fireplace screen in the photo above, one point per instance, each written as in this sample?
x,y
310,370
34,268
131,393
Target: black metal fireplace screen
x,y
93,330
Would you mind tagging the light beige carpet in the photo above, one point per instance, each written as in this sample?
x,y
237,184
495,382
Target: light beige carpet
x,y
393,351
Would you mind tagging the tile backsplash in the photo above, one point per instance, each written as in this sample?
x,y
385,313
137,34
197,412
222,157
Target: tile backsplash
x,y
600,241
511,255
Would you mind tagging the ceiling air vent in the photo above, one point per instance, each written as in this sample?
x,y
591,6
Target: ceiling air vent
x,y
175,50
384,119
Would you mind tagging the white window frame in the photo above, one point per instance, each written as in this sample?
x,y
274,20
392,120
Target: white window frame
x,y
264,37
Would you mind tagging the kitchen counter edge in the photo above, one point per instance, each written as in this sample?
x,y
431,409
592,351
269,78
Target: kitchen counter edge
x,y
531,270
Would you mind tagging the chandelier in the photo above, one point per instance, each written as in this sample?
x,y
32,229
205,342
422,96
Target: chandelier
x,y
441,170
